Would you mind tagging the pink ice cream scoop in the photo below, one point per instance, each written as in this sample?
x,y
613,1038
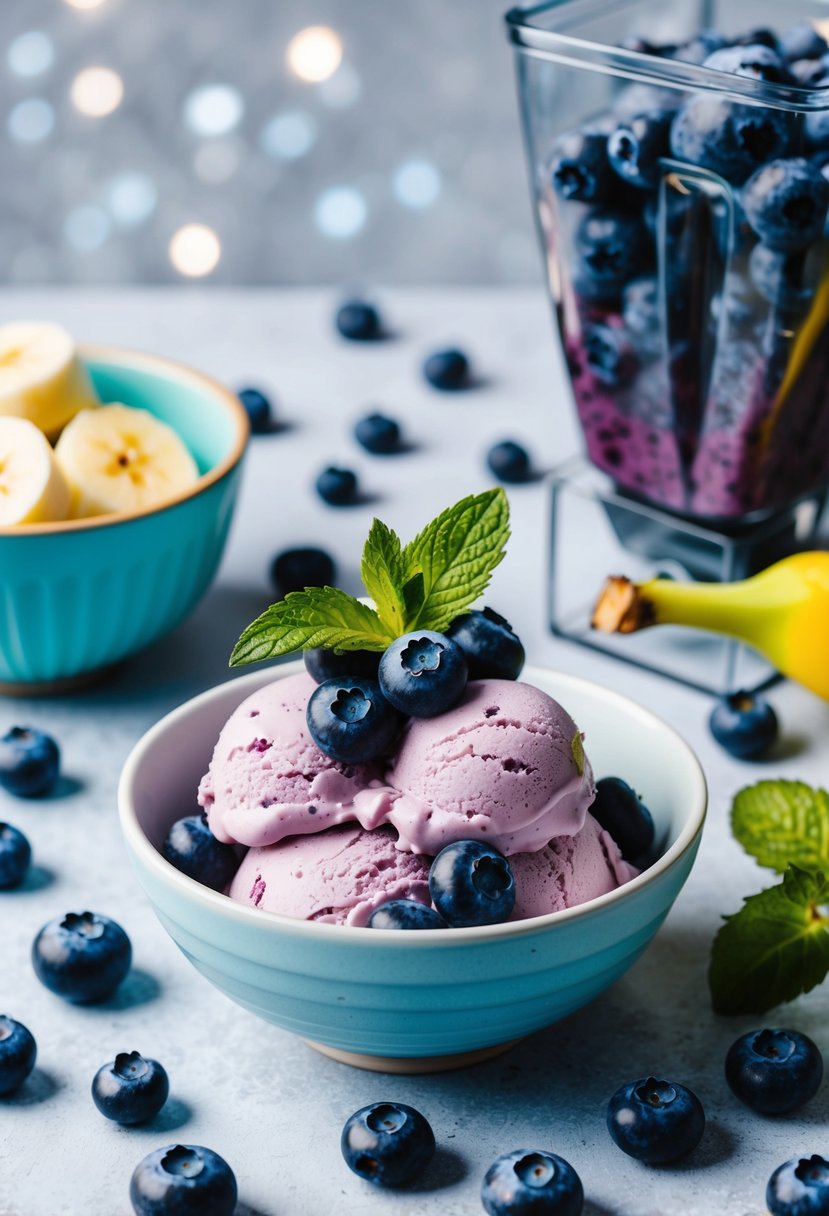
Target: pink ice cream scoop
x,y
268,779
505,765
339,876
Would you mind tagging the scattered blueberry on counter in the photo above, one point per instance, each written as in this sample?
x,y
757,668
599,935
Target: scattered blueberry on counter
x,y
405,914
655,1121
622,813
799,1187
352,721
337,487
18,1052
130,1089
192,848
492,648
471,883
744,724
29,762
15,856
423,673
774,1071
258,408
532,1182
183,1180
295,569
509,462
381,435
358,321
447,370
82,957
387,1143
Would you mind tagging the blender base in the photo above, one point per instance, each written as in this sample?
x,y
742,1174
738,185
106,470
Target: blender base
x,y
598,530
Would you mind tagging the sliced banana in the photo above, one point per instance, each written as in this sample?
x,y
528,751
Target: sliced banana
x,y
117,458
33,489
41,377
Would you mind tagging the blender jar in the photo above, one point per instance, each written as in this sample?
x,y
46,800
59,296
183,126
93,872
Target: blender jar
x,y
681,208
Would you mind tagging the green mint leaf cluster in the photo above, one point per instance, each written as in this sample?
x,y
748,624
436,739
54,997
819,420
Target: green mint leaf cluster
x,y
423,585
777,946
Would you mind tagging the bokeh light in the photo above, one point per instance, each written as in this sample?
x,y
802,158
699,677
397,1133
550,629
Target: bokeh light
x,y
87,228
416,183
342,89
214,109
340,212
85,4
195,250
314,53
96,92
131,198
30,54
289,136
31,121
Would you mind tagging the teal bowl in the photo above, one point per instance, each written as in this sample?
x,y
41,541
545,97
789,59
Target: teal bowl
x,y
80,595
404,1001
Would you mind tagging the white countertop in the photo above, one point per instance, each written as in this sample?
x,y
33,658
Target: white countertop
x,y
257,1095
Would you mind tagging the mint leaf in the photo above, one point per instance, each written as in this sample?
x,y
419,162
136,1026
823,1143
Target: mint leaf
x,y
778,822
414,593
577,751
456,554
381,570
774,948
317,616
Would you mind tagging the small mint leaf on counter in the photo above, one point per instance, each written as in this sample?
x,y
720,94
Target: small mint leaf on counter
x,y
381,570
775,948
456,554
778,822
304,620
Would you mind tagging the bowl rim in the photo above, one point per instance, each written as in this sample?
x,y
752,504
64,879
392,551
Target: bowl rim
x,y
218,904
174,370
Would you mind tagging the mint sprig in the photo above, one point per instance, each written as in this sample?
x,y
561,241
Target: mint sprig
x,y
775,948
425,585
779,822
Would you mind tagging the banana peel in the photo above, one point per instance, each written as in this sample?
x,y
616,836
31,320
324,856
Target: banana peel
x,y
783,612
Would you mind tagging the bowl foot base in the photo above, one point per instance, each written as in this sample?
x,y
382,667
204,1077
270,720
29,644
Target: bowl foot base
x,y
55,688
412,1065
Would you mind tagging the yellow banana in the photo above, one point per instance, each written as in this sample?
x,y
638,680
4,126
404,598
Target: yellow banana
x,y
783,612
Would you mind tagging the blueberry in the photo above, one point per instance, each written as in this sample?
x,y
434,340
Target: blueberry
x,y
378,434
258,408
580,170
802,41
635,147
358,321
295,569
183,1180
816,123
18,1052
29,762
622,813
758,37
636,99
405,914
799,1187
811,73
447,369
728,138
130,1088
655,1121
352,721
786,202
322,664
492,648
82,956
610,356
15,856
641,313
509,462
744,724
387,1143
612,248
337,487
191,847
423,673
774,1071
755,62
531,1182
786,280
471,883
700,47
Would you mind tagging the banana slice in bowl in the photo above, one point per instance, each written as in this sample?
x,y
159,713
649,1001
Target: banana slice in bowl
x,y
121,459
33,489
41,377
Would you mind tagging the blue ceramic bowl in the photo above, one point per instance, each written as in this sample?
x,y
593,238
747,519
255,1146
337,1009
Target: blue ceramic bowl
x,y
403,1000
78,596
